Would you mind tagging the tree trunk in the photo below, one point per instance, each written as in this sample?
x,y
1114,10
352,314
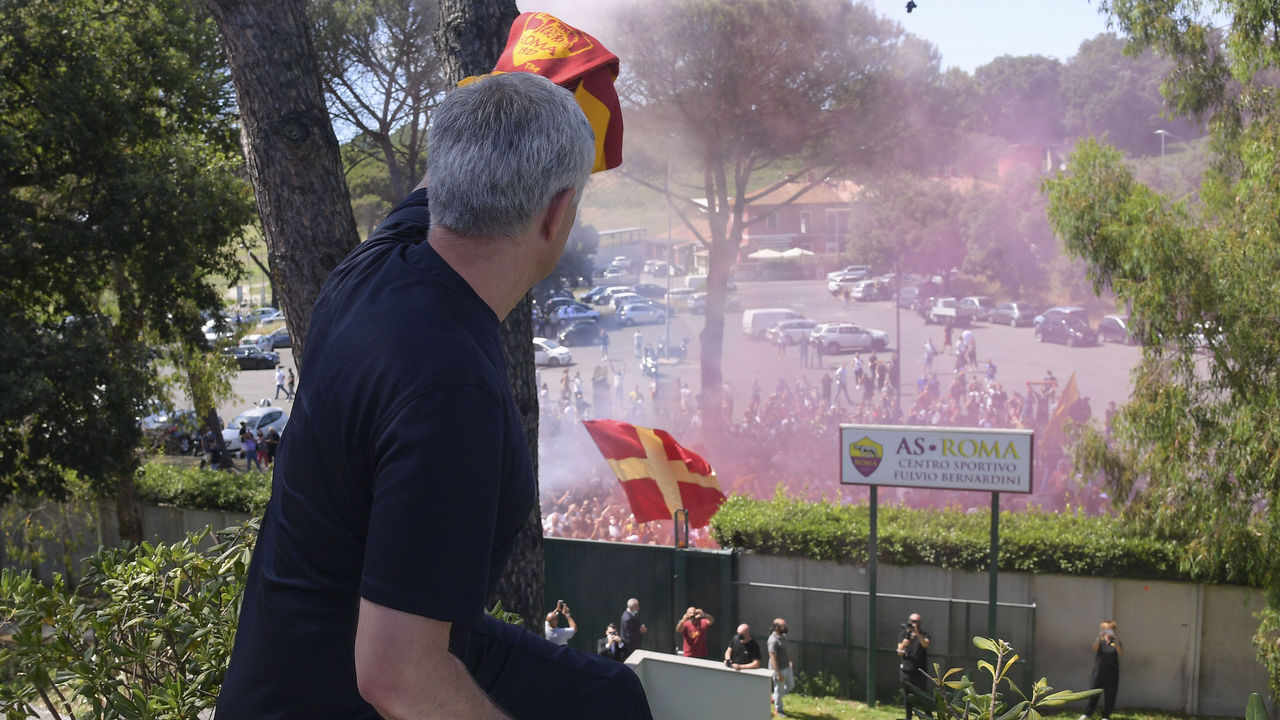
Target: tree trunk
x,y
128,518
290,148
469,40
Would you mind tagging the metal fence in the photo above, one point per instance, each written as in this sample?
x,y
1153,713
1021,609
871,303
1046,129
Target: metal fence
x,y
597,578
829,631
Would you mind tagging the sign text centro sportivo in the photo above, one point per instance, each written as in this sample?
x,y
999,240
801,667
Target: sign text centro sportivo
x,y
936,458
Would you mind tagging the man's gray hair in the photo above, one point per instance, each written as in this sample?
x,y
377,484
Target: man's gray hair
x,y
499,149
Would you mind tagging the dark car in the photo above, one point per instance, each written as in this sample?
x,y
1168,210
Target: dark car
x,y
280,338
583,332
174,431
650,290
249,357
1013,314
1067,329
1116,328
592,296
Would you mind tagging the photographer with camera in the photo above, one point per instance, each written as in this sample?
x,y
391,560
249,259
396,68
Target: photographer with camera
x,y
552,630
913,654
693,628
1107,650
611,645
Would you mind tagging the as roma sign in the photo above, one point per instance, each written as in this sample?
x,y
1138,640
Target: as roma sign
x,y
936,458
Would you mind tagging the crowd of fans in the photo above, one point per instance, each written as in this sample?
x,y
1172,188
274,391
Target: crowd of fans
x,y
785,436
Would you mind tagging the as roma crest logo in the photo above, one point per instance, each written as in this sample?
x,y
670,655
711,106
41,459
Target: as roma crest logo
x,y
546,38
866,455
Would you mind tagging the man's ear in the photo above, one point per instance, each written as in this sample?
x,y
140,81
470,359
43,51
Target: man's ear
x,y
560,213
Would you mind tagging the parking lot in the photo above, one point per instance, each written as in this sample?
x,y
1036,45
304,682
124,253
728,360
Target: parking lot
x,y
1102,371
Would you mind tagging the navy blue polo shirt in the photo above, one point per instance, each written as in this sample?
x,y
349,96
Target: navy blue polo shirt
x,y
402,477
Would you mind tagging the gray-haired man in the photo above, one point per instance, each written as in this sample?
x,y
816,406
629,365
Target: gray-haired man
x,y
397,499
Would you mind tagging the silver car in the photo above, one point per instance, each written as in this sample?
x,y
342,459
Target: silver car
x,y
847,337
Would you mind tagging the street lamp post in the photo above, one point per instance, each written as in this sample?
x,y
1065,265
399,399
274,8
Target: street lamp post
x,y
1162,133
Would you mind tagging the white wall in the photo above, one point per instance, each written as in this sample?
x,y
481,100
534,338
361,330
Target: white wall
x,y
681,688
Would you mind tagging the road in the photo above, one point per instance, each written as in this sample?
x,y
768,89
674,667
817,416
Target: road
x,y
1102,372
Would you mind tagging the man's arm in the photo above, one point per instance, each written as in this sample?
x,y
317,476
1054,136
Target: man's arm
x,y
404,668
925,640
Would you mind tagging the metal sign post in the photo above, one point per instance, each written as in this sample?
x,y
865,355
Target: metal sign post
x,y
933,459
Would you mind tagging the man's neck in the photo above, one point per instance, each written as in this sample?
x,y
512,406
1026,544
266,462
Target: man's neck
x,y
497,269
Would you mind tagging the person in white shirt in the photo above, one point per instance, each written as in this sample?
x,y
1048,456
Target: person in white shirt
x,y
552,630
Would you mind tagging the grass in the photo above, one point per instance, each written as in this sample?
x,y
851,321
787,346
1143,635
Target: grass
x,y
829,708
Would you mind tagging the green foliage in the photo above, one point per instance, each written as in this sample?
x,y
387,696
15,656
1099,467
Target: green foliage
x,y
958,698
203,489
121,198
1196,447
824,684
1256,709
147,634
1030,541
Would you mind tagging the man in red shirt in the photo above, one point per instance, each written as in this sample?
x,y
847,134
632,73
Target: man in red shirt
x,y
693,628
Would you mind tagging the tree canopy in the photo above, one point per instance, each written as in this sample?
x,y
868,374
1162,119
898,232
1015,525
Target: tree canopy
x,y
746,87
119,205
1196,450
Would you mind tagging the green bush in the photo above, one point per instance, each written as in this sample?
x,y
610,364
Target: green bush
x,y
147,633
1030,541
203,489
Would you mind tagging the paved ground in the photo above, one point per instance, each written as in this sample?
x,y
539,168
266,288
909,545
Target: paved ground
x,y
1102,371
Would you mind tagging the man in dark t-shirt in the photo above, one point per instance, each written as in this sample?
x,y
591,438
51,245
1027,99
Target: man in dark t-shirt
x,y
743,652
403,476
913,657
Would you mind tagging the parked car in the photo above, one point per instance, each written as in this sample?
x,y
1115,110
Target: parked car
x,y
1067,329
679,297
946,311
256,340
907,297
550,353
592,296
249,357
846,337
606,296
867,290
626,298
697,303
574,311
981,306
552,304
792,330
1013,314
280,338
757,321
1116,328
1072,310
840,283
855,272
174,431
275,317
583,332
613,273
639,313
258,419
650,290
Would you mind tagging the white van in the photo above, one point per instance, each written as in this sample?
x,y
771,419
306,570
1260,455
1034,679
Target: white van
x,y
755,321
697,283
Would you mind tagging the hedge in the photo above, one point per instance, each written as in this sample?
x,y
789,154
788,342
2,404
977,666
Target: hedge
x,y
1030,541
203,489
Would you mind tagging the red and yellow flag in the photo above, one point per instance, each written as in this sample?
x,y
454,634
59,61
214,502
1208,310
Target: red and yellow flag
x,y
658,475
542,44
1055,431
